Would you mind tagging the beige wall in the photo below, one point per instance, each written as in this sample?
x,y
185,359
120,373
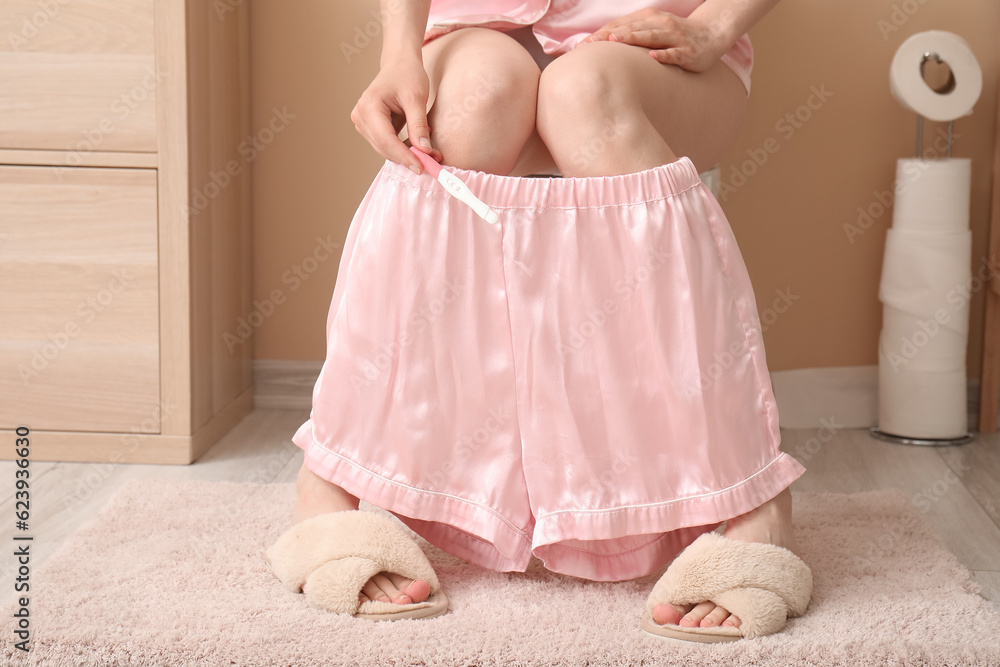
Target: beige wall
x,y
788,216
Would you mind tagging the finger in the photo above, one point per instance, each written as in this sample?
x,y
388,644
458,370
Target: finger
x,y
671,57
607,28
644,19
416,124
388,144
653,39
361,115
433,152
634,17
643,24
604,34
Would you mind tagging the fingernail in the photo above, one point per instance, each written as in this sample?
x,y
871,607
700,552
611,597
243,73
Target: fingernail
x,y
404,599
612,37
424,141
415,170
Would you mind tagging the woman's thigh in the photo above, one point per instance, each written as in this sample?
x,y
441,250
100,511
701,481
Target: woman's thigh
x,y
618,90
483,95
484,90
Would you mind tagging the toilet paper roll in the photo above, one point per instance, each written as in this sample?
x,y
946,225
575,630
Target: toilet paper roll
x,y
932,195
712,178
922,345
926,275
925,312
917,404
925,331
908,86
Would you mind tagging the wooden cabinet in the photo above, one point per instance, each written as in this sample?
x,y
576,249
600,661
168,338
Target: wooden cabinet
x,y
124,227
78,74
78,265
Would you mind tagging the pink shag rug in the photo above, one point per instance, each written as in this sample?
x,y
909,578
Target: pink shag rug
x,y
173,574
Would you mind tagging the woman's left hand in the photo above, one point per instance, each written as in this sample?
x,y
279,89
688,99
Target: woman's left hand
x,y
685,42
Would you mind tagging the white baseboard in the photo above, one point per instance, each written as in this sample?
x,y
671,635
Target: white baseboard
x,y
847,394
281,383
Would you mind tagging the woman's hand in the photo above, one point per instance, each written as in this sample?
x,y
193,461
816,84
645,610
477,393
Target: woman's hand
x,y
688,43
397,96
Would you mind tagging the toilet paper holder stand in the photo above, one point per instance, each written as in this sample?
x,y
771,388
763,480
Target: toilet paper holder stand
x,y
874,430
947,88
902,440
920,136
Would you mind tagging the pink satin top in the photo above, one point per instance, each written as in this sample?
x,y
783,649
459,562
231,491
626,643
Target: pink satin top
x,y
560,25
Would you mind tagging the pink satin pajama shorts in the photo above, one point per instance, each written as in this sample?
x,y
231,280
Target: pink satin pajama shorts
x,y
583,381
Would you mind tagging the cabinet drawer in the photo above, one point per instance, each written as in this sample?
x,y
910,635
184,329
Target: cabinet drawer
x,y
77,75
79,330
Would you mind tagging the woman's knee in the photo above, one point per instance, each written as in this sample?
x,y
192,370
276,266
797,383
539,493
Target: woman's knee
x,y
586,102
484,108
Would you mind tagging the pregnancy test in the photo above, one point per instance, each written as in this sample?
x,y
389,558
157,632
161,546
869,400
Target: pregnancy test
x,y
455,187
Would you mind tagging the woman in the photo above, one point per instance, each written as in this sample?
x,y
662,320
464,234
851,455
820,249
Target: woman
x,y
628,109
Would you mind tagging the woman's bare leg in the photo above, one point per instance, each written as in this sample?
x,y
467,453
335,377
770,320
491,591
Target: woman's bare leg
x,y
314,495
608,108
483,86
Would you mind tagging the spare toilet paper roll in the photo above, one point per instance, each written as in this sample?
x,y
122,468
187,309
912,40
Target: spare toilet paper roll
x,y
924,273
928,347
932,195
925,328
916,404
922,380
925,314
908,86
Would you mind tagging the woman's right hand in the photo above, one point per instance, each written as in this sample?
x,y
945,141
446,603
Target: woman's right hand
x,y
397,96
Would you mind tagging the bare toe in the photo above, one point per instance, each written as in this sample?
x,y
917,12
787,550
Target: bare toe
x,y
410,590
419,590
666,613
732,621
373,592
384,583
694,617
715,617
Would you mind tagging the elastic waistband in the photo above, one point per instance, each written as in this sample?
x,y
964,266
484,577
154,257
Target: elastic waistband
x,y
512,192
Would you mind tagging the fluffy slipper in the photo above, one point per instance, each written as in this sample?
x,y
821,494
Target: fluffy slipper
x,y
763,584
329,557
